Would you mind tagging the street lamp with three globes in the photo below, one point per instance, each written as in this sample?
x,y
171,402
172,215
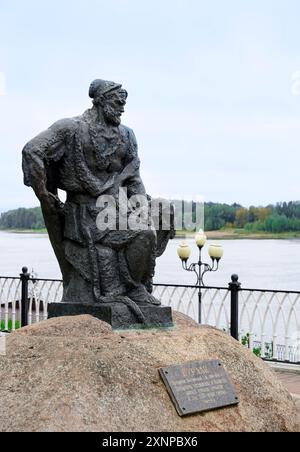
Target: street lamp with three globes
x,y
200,268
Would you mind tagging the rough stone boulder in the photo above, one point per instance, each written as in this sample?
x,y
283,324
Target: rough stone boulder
x,y
76,374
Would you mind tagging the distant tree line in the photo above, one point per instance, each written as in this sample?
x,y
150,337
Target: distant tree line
x,y
22,219
281,217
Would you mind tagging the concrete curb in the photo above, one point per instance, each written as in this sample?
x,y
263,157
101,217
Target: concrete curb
x,y
284,367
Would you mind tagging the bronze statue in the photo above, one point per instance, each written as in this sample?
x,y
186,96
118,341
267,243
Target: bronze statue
x,y
90,156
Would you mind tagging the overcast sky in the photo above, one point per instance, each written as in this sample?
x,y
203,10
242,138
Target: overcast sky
x,y
211,96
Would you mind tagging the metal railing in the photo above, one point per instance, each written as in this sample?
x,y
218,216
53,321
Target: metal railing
x,y
24,300
10,303
266,321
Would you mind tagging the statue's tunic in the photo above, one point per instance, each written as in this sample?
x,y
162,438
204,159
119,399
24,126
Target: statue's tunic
x,y
86,160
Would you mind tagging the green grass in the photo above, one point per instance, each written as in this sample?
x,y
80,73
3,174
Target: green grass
x,y
222,234
26,231
2,325
231,234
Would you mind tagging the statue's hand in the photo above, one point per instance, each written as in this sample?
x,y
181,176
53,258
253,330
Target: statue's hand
x,y
51,203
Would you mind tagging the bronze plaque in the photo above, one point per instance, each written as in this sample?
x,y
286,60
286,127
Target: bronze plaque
x,y
199,386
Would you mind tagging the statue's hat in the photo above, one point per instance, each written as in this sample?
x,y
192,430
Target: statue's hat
x,y
101,87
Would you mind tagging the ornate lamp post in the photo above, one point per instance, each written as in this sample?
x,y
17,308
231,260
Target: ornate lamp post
x,y
200,268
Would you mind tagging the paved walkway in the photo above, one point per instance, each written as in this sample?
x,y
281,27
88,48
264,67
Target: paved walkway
x,y
292,382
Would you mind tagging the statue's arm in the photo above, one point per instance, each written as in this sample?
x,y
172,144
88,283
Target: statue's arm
x,y
48,146
38,154
134,184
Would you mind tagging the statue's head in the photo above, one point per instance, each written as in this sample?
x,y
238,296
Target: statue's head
x,y
111,98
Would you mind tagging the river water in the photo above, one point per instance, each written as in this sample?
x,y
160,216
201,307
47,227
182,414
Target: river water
x,y
261,264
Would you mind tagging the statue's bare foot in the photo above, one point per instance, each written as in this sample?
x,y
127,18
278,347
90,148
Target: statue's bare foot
x,y
153,300
141,295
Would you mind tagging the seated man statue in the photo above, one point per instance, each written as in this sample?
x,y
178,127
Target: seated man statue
x,y
93,158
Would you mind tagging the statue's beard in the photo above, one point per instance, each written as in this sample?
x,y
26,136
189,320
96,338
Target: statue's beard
x,y
111,115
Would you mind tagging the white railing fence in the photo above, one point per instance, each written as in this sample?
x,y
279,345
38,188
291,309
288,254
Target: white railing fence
x,y
269,321
40,293
10,303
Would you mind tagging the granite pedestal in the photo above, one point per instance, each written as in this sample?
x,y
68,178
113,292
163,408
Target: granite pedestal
x,y
118,315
